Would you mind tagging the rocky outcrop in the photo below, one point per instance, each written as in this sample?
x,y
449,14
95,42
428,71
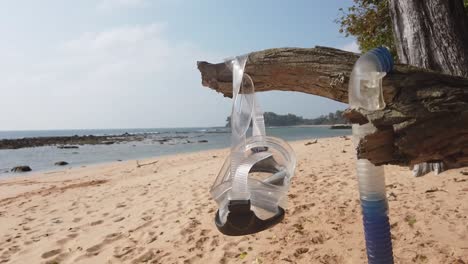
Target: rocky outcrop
x,y
68,142
74,142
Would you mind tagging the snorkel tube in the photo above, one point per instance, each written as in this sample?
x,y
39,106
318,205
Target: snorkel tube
x,y
365,91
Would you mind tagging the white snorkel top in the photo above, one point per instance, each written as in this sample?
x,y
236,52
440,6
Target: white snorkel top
x,y
365,84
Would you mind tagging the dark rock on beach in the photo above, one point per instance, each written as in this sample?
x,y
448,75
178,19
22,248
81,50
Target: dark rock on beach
x,y
61,163
161,141
67,147
22,168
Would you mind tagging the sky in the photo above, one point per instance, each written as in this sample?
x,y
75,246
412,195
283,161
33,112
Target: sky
x,y
68,64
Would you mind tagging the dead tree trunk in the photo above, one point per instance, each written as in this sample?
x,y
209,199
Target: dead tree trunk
x,y
426,118
431,34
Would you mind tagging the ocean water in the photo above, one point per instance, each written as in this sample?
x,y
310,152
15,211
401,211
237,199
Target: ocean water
x,y
43,158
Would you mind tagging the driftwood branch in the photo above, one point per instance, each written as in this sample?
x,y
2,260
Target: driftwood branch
x,y
145,164
426,117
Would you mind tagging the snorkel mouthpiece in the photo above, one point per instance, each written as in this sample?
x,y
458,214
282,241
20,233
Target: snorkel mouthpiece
x,y
365,84
251,187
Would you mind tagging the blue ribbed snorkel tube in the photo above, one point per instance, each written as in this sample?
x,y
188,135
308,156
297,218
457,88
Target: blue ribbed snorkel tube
x,y
365,92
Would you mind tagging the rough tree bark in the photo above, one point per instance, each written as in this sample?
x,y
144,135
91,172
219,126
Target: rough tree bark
x,y
426,118
431,34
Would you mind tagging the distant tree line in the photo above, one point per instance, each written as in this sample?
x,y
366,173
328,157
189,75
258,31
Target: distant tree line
x,y
273,119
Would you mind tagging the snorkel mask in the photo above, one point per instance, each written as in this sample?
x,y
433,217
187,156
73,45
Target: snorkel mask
x,y
251,188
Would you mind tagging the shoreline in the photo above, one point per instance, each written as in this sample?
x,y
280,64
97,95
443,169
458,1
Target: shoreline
x,y
112,137
71,166
99,165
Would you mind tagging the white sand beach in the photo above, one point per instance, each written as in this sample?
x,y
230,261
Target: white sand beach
x,y
163,213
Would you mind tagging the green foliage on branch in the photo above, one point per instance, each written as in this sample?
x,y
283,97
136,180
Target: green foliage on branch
x,y
370,22
465,2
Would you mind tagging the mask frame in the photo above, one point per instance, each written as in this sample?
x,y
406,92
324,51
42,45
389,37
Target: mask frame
x,y
249,205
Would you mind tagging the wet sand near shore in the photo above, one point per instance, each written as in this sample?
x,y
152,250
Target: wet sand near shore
x,y
159,211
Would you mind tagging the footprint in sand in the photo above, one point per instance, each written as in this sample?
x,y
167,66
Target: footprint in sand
x,y
94,250
112,237
229,245
147,256
56,220
190,239
228,255
146,218
97,222
72,236
194,259
215,241
77,219
68,238
51,253
204,232
120,252
200,242
119,219
190,227
120,205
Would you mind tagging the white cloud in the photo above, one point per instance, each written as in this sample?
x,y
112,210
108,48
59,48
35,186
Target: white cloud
x,y
126,50
131,76
114,38
352,47
117,4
